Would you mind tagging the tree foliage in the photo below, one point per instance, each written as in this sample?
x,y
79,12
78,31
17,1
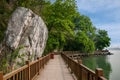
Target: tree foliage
x,y
81,43
59,22
102,40
84,34
68,29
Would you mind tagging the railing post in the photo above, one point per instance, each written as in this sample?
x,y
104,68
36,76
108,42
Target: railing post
x,y
80,70
99,72
38,65
1,75
28,63
52,55
80,61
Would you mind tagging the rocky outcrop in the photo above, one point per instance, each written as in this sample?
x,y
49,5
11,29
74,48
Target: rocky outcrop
x,y
26,29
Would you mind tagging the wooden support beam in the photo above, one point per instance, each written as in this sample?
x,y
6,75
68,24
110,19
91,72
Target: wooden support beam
x,y
99,72
28,63
1,75
38,65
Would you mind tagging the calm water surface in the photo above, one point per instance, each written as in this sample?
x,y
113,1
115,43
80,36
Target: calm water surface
x,y
110,64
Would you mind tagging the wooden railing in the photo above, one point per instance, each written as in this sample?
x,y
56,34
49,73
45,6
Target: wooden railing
x,y
81,71
27,72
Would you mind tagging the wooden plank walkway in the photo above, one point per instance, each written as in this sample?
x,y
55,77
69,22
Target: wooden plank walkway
x,y
56,69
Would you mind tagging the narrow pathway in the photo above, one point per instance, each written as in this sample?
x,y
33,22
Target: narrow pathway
x,y
56,69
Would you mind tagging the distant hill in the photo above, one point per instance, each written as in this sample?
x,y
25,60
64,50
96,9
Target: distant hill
x,y
114,48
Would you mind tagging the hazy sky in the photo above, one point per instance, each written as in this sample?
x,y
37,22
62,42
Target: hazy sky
x,y
105,14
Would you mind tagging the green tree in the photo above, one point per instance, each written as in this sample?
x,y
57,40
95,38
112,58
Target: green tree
x,y
84,35
5,11
83,43
63,22
58,17
102,40
83,23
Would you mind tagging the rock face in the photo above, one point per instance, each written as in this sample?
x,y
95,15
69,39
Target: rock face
x,y
26,29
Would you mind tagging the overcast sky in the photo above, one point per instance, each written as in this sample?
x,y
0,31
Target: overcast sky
x,y
105,14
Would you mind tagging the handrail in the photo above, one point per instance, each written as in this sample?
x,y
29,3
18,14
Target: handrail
x,y
81,71
28,71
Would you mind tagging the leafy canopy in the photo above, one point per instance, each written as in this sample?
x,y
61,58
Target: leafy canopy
x,y
102,40
68,29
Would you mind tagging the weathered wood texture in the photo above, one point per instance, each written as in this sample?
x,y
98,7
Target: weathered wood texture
x,y
56,69
27,72
81,71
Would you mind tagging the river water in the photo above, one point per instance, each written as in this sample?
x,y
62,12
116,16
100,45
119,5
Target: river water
x,y
110,64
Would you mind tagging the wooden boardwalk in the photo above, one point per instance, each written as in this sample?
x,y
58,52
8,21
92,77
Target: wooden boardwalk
x,y
56,69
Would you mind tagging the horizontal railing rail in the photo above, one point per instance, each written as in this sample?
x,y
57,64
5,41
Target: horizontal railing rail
x,y
78,54
28,71
81,71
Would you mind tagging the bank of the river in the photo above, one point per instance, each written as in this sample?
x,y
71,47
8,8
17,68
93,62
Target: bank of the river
x,y
110,64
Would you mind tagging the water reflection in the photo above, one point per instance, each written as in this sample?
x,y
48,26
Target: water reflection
x,y
98,62
115,63
103,63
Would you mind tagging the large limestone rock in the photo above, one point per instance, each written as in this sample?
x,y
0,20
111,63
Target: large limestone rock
x,y
26,29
